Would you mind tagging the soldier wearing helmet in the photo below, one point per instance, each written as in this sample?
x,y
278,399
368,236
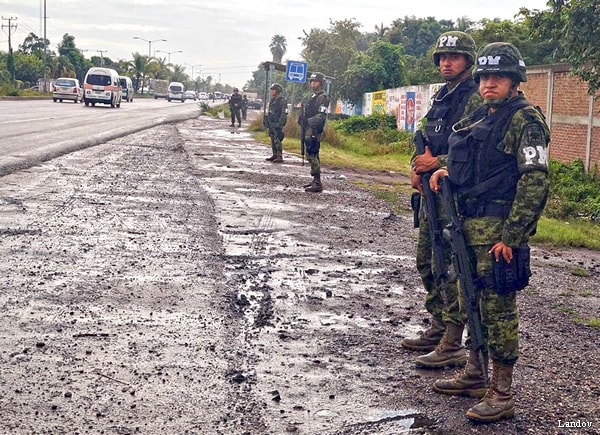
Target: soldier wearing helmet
x,y
235,106
312,120
454,54
498,169
275,120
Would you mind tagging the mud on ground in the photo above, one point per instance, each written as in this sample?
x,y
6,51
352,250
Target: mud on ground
x,y
174,282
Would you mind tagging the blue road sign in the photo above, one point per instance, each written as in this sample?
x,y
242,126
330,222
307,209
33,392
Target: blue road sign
x,y
296,71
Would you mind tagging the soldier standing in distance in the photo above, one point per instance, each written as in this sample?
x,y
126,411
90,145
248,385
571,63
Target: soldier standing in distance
x,y
235,105
498,169
454,55
313,117
275,120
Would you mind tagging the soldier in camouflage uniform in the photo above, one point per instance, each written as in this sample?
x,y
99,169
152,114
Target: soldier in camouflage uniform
x,y
498,167
313,117
454,55
275,120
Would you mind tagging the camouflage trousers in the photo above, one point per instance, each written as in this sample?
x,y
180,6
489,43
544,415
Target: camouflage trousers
x,y
499,313
434,300
276,145
315,164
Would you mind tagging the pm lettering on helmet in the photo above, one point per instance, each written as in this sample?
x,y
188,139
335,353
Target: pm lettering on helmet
x,y
489,60
448,41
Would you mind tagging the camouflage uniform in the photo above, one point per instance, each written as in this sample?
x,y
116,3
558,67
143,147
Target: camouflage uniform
x,y
314,116
275,120
434,302
449,105
498,166
526,138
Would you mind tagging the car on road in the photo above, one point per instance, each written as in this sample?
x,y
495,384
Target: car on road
x,y
255,103
202,96
126,88
175,92
101,85
189,95
67,88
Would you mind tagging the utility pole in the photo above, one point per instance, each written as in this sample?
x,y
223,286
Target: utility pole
x,y
45,50
11,60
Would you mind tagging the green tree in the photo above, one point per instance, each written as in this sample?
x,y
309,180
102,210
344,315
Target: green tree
x,y
332,51
417,35
381,68
139,67
573,27
535,50
73,57
380,31
33,45
178,74
278,47
28,68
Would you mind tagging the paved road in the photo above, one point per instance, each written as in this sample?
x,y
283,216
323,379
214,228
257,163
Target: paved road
x,y
39,130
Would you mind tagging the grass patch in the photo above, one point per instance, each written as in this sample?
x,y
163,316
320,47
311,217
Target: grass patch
x,y
594,322
580,271
567,234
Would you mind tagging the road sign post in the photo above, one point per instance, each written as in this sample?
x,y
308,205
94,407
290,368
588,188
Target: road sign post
x,y
296,72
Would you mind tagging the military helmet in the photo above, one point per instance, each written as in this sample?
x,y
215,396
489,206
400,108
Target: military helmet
x,y
501,58
317,76
455,42
277,87
236,90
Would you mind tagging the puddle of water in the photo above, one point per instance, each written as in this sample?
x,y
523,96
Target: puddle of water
x,y
407,418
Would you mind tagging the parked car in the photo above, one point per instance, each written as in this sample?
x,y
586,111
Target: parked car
x,y
66,88
202,96
189,95
255,103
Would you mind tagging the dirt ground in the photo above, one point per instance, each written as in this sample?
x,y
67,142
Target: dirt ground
x,y
174,282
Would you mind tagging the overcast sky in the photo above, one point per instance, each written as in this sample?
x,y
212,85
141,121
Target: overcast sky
x,y
228,38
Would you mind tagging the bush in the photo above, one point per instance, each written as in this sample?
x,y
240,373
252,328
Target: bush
x,y
573,192
356,124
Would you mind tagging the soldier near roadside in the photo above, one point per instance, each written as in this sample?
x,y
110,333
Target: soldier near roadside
x,y
312,119
498,170
454,55
235,106
275,120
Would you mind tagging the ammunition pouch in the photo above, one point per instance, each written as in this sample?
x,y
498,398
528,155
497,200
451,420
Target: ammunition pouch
x,y
513,276
415,205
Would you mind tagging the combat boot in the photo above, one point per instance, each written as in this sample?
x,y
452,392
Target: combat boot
x,y
472,381
498,402
316,185
278,158
429,339
309,184
270,159
448,353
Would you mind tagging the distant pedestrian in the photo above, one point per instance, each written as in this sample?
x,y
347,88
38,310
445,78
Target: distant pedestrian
x,y
312,120
235,105
275,120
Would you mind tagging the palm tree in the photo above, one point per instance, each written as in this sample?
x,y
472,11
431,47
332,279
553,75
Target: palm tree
x,y
178,74
139,67
278,47
464,24
380,31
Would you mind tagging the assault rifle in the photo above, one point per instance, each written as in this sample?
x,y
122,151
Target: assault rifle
x,y
465,272
440,272
302,131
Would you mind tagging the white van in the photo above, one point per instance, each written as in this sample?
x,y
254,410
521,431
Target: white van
x,y
126,88
176,91
101,85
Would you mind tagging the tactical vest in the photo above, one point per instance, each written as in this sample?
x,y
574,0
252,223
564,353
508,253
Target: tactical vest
x,y
483,175
276,108
313,105
445,111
